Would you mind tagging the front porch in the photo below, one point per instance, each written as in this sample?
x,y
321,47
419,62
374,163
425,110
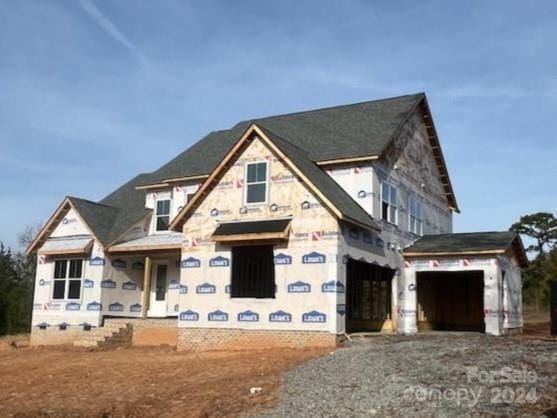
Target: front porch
x,y
150,266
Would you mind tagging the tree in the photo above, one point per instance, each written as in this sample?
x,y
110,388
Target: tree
x,y
17,277
541,227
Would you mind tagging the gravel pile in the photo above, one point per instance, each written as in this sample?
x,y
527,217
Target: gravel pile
x,y
425,375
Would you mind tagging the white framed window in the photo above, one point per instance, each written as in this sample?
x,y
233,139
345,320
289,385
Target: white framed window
x,y
67,279
415,220
389,210
256,183
162,215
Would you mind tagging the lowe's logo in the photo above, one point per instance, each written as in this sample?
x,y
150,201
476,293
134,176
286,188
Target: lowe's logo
x,y
189,315
333,286
94,306
96,261
116,307
108,284
248,316
190,263
280,316
129,285
183,289
206,288
73,306
299,287
88,284
138,265
341,309
219,261
314,258
283,259
314,316
136,307
218,316
367,238
227,288
174,284
119,263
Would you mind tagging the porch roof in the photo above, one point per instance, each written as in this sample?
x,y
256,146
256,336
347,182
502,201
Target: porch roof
x,y
156,242
252,230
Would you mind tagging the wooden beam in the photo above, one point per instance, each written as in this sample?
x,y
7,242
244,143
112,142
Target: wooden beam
x,y
348,160
146,287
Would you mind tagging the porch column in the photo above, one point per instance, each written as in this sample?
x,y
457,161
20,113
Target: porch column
x,y
146,287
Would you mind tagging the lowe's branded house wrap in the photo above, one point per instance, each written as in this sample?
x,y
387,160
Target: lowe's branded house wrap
x,y
290,230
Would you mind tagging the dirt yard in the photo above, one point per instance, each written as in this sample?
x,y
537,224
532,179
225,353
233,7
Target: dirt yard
x,y
134,382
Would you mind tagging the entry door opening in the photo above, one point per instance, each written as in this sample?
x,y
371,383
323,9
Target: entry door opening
x,y
368,297
451,300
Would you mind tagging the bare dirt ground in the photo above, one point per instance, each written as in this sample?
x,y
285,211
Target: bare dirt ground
x,y
137,382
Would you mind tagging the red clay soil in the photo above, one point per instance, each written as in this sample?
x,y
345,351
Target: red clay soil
x,y
136,382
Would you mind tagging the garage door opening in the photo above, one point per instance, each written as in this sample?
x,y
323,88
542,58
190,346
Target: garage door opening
x,y
368,297
451,301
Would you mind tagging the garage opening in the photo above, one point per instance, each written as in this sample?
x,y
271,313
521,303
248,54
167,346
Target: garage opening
x,y
451,301
368,297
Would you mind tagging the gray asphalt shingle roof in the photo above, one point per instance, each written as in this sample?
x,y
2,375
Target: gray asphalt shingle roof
x,y
347,131
463,242
355,130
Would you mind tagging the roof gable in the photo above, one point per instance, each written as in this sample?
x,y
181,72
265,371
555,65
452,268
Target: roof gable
x,y
316,180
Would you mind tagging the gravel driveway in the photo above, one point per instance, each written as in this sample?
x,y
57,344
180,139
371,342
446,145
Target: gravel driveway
x,y
425,375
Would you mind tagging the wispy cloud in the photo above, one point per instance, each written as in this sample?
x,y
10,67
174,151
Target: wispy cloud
x,y
110,28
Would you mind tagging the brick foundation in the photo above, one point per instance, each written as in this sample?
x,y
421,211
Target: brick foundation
x,y
200,339
54,336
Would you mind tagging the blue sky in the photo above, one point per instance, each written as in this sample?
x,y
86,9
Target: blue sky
x,y
93,92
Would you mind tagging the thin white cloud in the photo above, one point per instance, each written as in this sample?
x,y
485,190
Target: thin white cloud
x,y
109,27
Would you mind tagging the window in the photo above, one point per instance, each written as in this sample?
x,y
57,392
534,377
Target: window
x,y
163,215
388,203
256,182
67,279
189,196
415,216
253,272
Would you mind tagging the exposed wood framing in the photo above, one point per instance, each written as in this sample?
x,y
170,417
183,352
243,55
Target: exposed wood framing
x,y
438,155
251,237
455,253
167,182
136,248
347,160
146,287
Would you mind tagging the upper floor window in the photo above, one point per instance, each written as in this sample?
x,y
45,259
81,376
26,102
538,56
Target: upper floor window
x,y
162,215
67,279
389,203
415,223
256,182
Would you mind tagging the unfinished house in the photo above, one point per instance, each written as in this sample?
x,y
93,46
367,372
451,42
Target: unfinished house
x,y
289,230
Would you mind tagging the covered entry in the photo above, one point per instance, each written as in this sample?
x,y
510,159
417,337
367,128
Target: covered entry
x,y
450,300
368,297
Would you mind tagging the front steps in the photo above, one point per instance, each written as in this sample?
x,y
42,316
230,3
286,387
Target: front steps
x,y
111,335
